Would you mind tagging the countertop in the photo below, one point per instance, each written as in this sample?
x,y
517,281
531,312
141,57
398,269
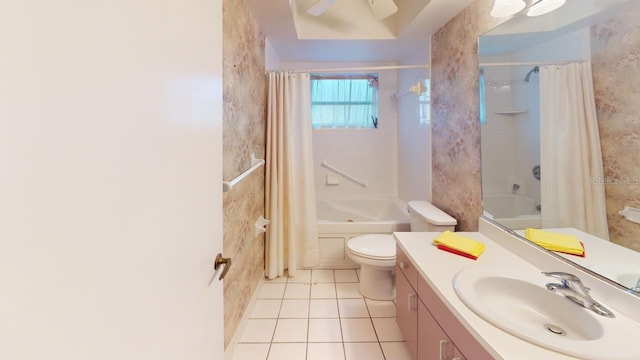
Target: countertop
x,y
438,268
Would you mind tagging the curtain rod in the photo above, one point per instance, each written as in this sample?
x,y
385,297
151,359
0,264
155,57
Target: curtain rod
x,y
539,63
370,68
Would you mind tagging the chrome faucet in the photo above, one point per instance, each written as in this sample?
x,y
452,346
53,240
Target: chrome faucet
x,y
571,287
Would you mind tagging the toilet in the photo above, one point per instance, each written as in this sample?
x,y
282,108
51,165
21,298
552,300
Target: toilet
x,y
376,253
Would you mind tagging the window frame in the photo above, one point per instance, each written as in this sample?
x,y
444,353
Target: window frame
x,y
373,78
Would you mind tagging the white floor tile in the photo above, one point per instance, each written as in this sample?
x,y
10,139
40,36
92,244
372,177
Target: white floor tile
x,y
302,276
258,331
297,291
291,331
325,330
381,308
396,350
325,351
345,276
284,351
265,309
323,308
250,351
323,276
353,308
348,290
294,309
387,329
271,291
357,330
323,291
360,351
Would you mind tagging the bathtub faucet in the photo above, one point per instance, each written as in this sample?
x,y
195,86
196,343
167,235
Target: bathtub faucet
x,y
515,187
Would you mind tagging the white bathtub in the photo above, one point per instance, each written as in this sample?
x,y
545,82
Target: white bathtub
x,y
511,210
341,219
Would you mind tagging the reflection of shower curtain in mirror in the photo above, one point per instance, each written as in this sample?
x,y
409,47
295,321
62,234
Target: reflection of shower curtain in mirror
x,y
292,236
571,158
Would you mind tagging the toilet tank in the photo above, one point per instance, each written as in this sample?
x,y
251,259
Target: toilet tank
x,y
426,217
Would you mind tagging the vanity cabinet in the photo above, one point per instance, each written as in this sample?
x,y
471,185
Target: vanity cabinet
x,y
430,329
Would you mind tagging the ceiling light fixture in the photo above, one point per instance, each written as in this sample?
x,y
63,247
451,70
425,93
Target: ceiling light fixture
x,y
544,6
504,8
320,7
383,8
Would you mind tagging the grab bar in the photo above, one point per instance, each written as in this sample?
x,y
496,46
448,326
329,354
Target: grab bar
x,y
343,174
255,163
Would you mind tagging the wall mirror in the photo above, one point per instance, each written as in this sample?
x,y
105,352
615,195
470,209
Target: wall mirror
x,y
537,171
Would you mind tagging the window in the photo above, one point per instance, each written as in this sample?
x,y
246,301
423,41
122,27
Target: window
x,y
483,98
424,103
344,100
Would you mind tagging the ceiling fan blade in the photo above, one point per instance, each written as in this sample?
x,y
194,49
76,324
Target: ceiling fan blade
x,y
383,8
320,7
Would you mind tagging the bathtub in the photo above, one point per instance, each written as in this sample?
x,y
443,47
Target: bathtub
x,y
514,211
341,219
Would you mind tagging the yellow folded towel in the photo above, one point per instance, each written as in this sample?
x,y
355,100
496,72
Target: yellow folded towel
x,y
459,244
555,242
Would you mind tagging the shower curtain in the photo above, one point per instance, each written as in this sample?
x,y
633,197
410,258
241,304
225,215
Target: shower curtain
x,y
571,157
292,237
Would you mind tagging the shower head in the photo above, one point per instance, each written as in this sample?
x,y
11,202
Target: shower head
x,y
534,70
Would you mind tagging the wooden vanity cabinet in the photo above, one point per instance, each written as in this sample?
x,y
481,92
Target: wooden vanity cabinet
x,y
434,342
430,329
406,311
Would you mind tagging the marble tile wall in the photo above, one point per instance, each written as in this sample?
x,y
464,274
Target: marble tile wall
x,y
615,52
245,99
455,132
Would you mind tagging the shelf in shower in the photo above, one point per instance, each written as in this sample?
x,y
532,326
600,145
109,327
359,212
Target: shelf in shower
x,y
512,112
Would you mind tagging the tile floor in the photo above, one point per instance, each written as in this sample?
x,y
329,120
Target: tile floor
x,y
319,315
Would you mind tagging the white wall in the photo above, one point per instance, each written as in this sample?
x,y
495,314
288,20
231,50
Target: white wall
x,y
498,133
511,144
369,155
414,133
272,60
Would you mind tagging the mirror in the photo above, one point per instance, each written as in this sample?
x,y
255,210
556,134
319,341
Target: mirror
x,y
511,56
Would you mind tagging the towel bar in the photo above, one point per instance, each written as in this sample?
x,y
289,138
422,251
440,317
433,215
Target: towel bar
x,y
255,163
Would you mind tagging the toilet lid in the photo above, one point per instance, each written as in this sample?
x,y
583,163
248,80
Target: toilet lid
x,y
373,246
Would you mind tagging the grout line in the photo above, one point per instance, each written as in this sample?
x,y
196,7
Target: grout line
x,y
340,318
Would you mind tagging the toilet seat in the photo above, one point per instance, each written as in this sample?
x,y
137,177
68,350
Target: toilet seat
x,y
373,246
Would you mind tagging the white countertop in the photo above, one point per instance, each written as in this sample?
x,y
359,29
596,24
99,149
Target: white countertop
x,y
597,251
438,268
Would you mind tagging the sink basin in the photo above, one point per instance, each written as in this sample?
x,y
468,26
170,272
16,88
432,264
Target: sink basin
x,y
523,307
626,275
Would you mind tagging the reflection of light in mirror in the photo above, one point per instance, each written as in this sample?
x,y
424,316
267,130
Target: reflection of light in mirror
x,y
544,7
504,8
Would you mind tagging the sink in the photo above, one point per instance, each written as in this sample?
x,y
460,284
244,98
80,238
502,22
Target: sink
x,y
522,306
626,275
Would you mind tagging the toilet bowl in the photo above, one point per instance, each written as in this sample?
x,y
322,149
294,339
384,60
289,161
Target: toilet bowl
x,y
376,253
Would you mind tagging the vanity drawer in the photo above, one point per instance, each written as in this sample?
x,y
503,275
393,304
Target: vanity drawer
x,y
408,269
463,340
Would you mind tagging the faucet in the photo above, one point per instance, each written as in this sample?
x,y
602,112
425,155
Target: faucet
x,y
571,287
637,287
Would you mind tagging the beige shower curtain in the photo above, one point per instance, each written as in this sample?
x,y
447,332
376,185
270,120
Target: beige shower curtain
x,y
571,157
292,237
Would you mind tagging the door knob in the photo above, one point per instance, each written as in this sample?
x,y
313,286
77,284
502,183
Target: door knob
x,y
222,261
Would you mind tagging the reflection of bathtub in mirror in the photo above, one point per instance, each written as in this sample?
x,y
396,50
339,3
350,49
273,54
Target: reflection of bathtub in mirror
x,y
514,211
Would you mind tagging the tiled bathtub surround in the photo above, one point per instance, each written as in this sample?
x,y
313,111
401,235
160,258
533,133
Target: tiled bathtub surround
x,y
456,180
319,315
615,55
245,90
